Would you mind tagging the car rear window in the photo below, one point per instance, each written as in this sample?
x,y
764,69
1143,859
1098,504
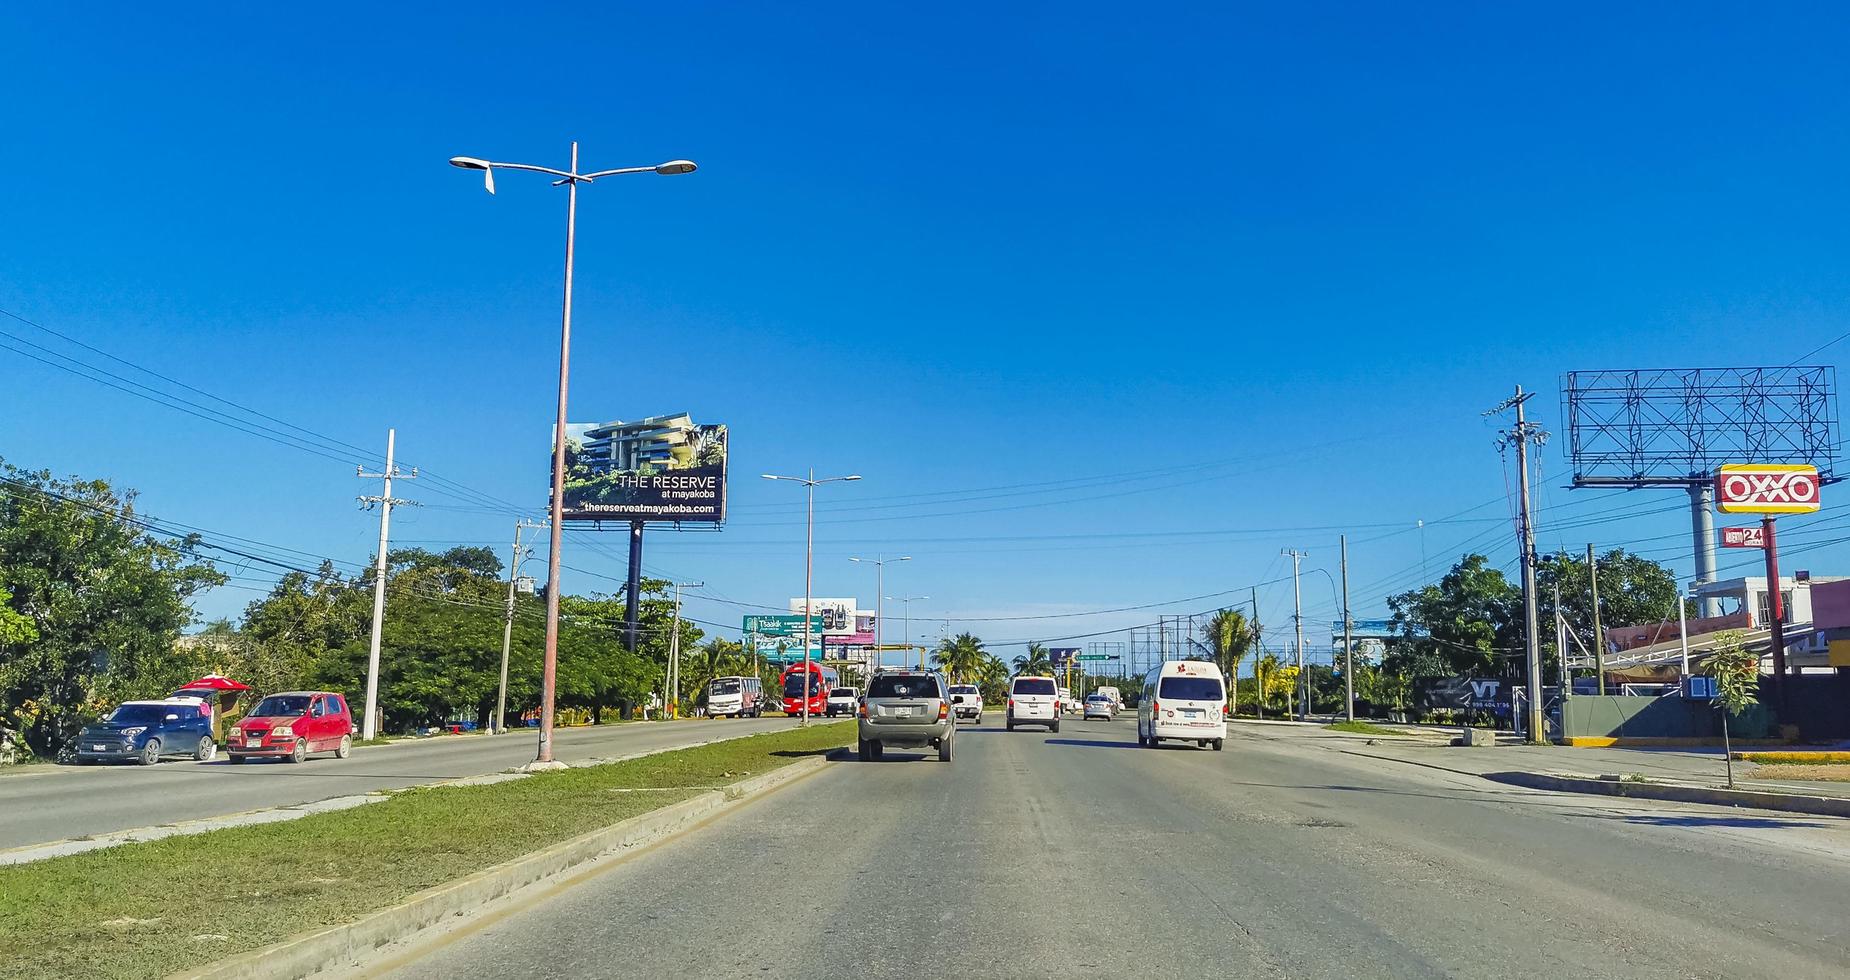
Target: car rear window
x,y
1190,689
903,686
841,692
963,689
1035,685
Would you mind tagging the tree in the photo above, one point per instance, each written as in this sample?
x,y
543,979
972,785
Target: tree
x,y
1231,638
1737,684
1461,626
1633,591
992,676
961,656
94,600
1036,661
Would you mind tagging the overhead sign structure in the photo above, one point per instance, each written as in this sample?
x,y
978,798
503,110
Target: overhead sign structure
x,y
663,468
1743,537
1766,488
781,625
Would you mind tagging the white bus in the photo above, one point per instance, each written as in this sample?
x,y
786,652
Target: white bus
x,y
740,697
1183,701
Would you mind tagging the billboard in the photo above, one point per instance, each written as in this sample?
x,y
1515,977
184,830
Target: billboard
x,y
781,625
839,616
1060,655
783,650
662,468
1364,629
1766,488
1744,537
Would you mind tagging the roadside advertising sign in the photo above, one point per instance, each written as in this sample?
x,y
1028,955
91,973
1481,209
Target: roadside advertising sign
x,y
781,625
787,650
1766,488
664,468
1060,655
837,615
1744,537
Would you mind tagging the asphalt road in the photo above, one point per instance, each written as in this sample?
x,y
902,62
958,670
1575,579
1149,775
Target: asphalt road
x,y
73,801
1038,855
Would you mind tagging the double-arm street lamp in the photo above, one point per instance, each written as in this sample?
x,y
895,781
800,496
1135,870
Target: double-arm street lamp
x,y
906,602
879,605
571,179
809,567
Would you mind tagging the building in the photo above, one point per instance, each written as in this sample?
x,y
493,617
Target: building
x,y
625,446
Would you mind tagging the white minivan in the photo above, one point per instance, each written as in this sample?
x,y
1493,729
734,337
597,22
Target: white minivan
x,y
1034,701
1183,701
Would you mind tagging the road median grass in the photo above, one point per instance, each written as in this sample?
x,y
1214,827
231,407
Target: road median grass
x,y
1362,728
147,910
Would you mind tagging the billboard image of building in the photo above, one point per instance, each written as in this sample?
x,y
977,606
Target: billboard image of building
x,y
662,468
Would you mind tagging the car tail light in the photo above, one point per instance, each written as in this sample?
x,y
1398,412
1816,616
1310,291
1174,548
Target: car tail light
x,y
1011,702
943,710
1226,710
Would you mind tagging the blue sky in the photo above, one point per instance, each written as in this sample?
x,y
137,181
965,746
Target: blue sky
x,y
1108,304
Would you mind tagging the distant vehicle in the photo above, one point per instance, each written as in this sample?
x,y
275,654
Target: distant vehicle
x,y
1100,706
816,692
737,697
1183,701
967,702
906,708
1066,700
143,731
842,701
290,726
1033,701
1117,700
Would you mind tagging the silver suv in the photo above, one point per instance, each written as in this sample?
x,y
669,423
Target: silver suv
x,y
907,709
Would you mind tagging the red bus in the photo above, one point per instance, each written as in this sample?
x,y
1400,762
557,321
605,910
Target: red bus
x,y
820,680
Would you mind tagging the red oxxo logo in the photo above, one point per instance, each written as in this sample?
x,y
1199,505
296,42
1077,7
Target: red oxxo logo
x,y
1766,488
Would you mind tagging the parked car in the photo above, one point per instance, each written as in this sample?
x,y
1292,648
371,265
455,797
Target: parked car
x,y
143,731
967,702
1100,706
292,725
842,701
906,708
1033,701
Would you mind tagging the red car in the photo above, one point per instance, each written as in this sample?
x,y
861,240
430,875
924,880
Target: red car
x,y
290,726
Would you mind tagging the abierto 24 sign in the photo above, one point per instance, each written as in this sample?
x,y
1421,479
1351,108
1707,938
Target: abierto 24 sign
x,y
1766,488
661,468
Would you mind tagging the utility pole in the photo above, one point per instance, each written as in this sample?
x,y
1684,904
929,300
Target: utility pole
x,y
674,651
1297,616
1522,434
1599,635
1258,652
507,622
385,502
1348,642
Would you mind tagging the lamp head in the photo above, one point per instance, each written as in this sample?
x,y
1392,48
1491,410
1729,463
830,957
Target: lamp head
x,y
471,163
674,167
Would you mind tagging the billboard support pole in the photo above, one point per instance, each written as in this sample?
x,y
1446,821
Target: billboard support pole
x,y
1702,528
632,594
1776,614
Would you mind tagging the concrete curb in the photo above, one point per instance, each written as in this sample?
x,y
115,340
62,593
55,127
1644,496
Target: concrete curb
x,y
337,945
1827,806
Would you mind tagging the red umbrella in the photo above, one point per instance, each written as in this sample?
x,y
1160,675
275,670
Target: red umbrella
x,y
215,682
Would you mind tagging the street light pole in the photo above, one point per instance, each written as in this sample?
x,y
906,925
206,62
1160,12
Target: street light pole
x,y
809,567
571,179
879,604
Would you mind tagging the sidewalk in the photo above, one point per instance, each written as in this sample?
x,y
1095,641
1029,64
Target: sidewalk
x,y
1699,769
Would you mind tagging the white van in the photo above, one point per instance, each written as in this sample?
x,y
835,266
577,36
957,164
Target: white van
x,y
1033,701
1117,699
1183,701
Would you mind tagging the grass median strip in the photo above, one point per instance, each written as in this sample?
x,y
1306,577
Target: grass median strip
x,y
146,910
1361,728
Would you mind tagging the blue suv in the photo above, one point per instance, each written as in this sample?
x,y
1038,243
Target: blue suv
x,y
143,731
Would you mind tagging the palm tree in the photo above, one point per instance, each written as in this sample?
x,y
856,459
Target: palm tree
x,y
961,656
1231,638
1036,661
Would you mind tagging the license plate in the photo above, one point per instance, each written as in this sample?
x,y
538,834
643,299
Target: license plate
x,y
99,748
1190,713
902,712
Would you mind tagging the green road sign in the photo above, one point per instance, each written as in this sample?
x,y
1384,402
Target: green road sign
x,y
1096,656
782,625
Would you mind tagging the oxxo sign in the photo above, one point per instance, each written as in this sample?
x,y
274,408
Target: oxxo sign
x,y
1766,488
